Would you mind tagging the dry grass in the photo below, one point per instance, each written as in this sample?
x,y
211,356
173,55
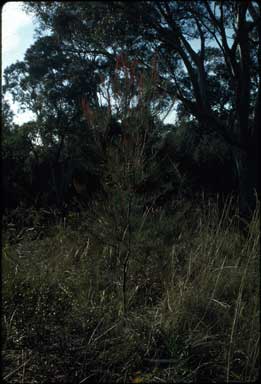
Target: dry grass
x,y
192,300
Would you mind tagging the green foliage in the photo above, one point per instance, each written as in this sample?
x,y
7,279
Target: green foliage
x,y
104,52
16,154
142,284
7,117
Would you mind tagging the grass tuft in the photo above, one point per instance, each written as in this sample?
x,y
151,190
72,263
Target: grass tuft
x,y
189,309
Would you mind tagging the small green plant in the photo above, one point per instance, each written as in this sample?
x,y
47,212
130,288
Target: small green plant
x,y
122,215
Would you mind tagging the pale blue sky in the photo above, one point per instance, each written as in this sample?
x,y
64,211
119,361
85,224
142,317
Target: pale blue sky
x,y
17,36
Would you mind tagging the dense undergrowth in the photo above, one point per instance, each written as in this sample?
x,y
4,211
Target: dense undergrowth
x,y
171,297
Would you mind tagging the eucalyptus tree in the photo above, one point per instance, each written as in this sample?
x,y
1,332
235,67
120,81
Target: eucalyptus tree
x,y
227,61
51,83
208,60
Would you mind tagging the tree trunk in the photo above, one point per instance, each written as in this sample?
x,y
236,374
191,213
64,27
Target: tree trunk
x,y
246,164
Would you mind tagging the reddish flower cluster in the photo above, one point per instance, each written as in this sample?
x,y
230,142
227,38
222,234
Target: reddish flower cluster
x,y
134,84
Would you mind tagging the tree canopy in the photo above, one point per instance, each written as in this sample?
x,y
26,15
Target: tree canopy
x,y
203,57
